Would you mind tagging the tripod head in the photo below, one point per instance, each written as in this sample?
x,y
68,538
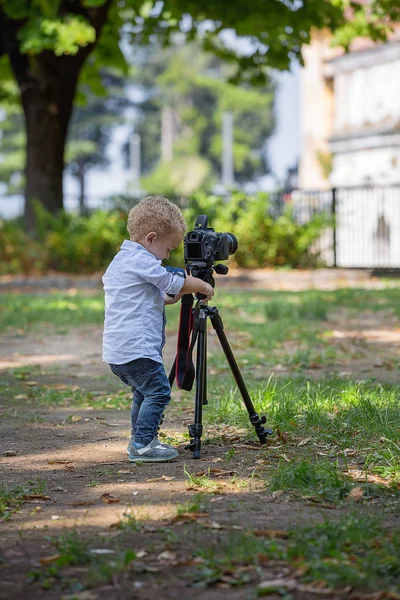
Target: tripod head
x,y
204,247
204,271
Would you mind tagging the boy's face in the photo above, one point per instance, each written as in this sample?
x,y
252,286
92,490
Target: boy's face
x,y
162,245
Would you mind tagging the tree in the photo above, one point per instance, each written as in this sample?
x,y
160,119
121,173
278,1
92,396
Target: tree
x,y
193,87
93,121
47,44
92,124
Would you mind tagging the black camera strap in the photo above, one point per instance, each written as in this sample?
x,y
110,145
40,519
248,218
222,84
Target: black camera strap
x,y
187,336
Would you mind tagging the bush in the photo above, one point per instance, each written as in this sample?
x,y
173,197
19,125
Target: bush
x,y
264,241
86,244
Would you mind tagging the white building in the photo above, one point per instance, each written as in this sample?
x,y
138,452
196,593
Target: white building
x,y
350,114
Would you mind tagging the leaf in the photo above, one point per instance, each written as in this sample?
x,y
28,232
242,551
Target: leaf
x,y
188,517
108,499
272,533
356,494
162,478
166,555
30,383
215,472
281,436
285,457
304,442
73,419
47,560
21,397
213,525
35,498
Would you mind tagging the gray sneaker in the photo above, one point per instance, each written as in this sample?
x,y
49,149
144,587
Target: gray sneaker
x,y
155,451
129,446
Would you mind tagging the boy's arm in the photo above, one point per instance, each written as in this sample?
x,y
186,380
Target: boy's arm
x,y
194,285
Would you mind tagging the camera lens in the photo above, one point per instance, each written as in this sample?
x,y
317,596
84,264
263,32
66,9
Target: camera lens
x,y
233,243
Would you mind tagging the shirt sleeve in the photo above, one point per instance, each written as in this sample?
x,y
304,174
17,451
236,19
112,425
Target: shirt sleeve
x,y
153,272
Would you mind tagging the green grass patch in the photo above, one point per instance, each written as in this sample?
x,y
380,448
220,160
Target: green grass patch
x,y
93,566
355,551
352,551
12,498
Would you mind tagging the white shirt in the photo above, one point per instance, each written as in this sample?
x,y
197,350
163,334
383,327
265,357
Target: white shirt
x,y
134,285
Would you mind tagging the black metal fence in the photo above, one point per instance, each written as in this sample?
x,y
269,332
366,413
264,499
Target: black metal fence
x,y
365,230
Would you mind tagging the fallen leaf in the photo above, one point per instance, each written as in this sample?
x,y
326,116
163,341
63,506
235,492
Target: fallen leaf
x,y
215,472
213,525
30,383
73,419
285,457
281,436
166,555
188,517
304,442
355,494
277,493
216,460
58,462
272,533
57,386
36,498
162,478
108,499
47,560
21,397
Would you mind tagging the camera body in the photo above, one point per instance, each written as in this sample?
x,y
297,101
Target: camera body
x,y
205,245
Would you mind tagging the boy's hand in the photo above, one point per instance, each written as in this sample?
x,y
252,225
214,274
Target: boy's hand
x,y
208,292
172,299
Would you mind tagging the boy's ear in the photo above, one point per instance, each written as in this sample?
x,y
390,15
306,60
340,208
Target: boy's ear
x,y
151,237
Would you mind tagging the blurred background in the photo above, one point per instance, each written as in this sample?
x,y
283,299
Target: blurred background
x,y
294,147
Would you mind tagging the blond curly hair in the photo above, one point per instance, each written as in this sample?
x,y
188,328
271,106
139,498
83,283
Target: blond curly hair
x,y
154,213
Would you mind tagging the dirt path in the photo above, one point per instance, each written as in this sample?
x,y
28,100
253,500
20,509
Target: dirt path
x,y
80,455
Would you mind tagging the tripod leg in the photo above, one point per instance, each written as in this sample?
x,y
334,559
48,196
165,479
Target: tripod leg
x,y
196,429
171,376
255,419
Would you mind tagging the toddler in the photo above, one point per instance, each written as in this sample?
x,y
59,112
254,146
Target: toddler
x,y
136,287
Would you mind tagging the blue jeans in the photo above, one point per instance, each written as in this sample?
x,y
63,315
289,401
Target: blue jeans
x,y
151,394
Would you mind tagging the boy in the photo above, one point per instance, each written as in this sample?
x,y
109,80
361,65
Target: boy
x,y
136,287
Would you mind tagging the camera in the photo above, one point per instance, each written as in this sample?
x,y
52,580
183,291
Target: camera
x,y
205,245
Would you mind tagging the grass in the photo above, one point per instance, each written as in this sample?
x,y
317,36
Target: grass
x,y
355,551
91,567
12,498
352,551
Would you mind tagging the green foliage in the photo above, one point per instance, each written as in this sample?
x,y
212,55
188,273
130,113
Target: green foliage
x,y
11,499
264,241
355,551
321,480
67,242
18,252
80,244
195,88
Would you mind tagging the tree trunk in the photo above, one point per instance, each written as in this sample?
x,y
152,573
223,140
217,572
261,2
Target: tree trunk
x,y
81,176
47,84
47,106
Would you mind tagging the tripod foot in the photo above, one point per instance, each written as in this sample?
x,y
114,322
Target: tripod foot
x,y
258,424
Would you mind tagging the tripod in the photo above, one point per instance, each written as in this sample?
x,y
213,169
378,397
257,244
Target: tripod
x,y
199,335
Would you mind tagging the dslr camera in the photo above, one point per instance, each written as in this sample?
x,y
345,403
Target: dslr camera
x,y
205,245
